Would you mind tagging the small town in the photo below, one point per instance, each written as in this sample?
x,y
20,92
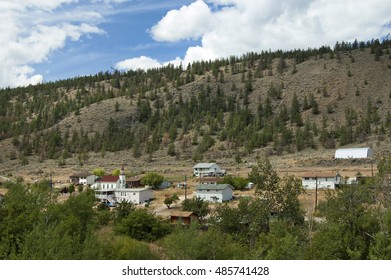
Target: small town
x,y
195,139
207,183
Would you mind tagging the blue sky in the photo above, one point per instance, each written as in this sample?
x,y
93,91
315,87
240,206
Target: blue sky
x,y
43,40
126,35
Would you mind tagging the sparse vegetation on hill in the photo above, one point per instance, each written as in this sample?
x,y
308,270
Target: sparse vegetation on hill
x,y
284,100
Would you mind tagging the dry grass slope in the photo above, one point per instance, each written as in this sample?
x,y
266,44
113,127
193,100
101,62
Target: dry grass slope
x,y
350,80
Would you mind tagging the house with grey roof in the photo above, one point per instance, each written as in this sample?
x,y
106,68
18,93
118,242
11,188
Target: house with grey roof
x,y
207,169
215,192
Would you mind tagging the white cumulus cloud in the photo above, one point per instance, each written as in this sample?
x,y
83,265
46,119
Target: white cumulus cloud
x,y
141,62
32,29
145,63
234,27
189,22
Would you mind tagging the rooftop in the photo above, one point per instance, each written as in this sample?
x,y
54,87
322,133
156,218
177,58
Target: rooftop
x,y
183,214
80,175
213,187
109,178
204,165
320,175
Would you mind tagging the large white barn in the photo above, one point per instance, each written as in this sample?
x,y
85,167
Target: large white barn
x,y
354,153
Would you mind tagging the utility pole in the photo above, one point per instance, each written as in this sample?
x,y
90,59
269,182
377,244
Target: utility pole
x,y
185,187
51,186
372,166
316,193
50,198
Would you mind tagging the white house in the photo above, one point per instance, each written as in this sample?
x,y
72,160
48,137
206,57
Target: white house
x,y
354,153
215,192
90,180
78,178
207,169
165,184
321,180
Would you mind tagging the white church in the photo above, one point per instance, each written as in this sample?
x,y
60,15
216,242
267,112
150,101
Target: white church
x,y
113,189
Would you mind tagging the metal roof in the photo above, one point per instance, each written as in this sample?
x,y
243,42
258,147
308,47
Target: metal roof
x,y
181,214
213,187
110,179
354,153
204,165
321,175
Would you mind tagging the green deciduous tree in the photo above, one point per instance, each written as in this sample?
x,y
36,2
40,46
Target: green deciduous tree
x,y
123,209
127,248
19,212
381,246
238,183
349,226
170,200
283,242
280,195
142,225
34,226
152,179
116,172
246,222
196,205
193,244
100,172
382,182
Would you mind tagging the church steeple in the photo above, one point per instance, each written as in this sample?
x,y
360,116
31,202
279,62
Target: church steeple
x,y
122,178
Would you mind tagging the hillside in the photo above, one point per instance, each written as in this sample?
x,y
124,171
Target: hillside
x,y
296,107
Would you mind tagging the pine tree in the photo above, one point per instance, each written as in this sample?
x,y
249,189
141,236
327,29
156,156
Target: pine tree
x,y
295,111
171,150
